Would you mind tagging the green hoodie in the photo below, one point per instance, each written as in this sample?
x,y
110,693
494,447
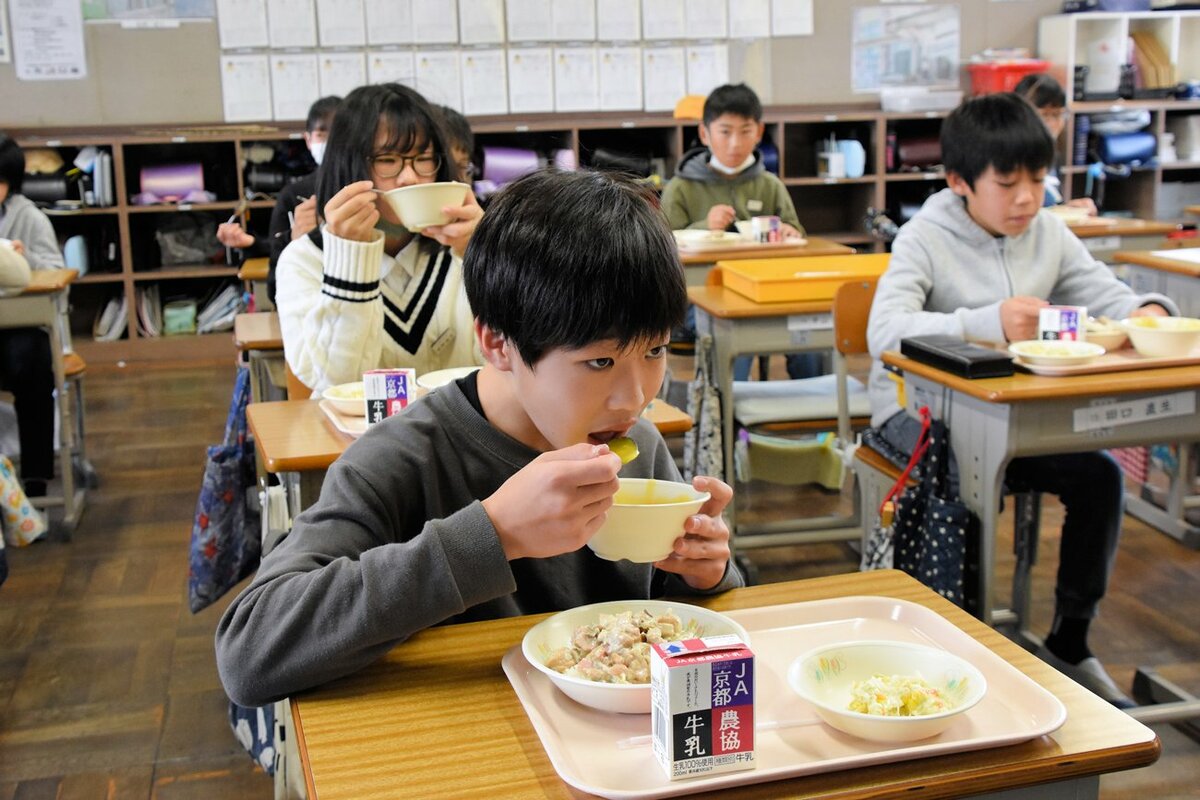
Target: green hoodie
x,y
696,188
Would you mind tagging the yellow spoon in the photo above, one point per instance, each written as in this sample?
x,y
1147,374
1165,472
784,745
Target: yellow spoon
x,y
625,448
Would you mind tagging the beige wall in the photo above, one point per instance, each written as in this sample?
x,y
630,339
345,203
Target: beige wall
x,y
142,76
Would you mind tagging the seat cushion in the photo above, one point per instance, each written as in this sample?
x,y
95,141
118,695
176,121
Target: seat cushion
x,y
758,402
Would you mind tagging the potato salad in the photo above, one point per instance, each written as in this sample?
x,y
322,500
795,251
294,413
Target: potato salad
x,y
896,696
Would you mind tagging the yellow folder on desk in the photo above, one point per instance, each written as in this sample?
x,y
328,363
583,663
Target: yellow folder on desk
x,y
785,280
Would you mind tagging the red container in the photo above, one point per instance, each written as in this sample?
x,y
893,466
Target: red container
x,y
1002,76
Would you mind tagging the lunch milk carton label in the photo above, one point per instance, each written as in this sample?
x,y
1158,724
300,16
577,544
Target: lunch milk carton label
x,y
388,392
1067,323
766,229
702,705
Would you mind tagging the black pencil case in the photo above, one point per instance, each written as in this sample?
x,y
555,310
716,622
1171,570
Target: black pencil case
x,y
957,357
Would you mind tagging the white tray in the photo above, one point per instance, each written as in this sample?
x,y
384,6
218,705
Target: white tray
x,y
346,423
582,743
1114,361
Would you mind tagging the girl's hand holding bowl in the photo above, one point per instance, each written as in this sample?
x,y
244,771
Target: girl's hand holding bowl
x,y
457,233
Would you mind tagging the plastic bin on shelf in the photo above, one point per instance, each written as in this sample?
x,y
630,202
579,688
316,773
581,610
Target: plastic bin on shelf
x,y
1002,76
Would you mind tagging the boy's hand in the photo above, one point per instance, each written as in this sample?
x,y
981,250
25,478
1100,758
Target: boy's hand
x,y
556,502
463,220
352,213
702,553
304,217
1150,310
231,234
1019,317
721,217
18,247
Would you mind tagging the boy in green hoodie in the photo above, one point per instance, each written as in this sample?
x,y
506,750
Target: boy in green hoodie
x,y
725,181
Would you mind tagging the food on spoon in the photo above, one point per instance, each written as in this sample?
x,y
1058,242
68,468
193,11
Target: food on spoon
x,y
625,448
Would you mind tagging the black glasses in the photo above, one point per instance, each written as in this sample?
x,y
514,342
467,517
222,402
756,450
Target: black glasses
x,y
389,165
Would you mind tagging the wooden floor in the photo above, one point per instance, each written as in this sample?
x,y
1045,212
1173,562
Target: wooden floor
x,y
107,683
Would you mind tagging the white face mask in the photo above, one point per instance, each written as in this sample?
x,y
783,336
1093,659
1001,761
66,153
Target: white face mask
x,y
318,151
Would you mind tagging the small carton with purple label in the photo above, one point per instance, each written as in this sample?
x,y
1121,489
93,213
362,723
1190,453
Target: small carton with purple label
x,y
702,705
388,392
766,229
1063,323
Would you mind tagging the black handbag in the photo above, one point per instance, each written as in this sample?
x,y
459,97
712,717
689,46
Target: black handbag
x,y
936,537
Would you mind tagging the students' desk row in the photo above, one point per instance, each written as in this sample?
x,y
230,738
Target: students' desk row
x,y
1104,236
43,304
1178,277
437,717
295,436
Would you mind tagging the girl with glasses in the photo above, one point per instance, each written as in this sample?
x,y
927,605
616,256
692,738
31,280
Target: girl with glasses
x,y
361,291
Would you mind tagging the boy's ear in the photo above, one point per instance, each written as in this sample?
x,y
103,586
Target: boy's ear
x,y
494,346
957,184
762,129
703,134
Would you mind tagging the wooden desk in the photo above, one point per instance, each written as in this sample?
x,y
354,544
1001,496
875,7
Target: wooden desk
x,y
295,436
740,326
257,335
1193,210
698,263
43,304
437,717
254,273
1103,240
1176,277
994,420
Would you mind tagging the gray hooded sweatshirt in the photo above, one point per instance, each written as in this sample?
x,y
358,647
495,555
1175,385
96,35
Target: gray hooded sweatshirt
x,y
948,275
21,219
697,187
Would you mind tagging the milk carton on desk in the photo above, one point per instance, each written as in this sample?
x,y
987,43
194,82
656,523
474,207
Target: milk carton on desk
x,y
1063,323
388,392
702,705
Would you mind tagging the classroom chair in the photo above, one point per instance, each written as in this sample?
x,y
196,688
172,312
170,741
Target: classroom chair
x,y
834,402
74,370
296,390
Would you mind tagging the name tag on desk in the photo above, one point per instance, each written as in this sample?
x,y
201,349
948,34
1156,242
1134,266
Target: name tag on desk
x,y
1103,414
800,326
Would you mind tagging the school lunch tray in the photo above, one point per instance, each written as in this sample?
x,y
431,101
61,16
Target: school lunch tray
x,y
583,743
1113,361
346,423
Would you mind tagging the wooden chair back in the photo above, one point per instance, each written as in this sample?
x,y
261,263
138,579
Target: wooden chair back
x,y
296,390
851,308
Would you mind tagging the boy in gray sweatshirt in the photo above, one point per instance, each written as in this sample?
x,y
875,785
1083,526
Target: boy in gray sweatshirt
x,y
478,500
977,262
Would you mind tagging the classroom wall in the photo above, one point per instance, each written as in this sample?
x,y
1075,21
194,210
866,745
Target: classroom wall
x,y
171,75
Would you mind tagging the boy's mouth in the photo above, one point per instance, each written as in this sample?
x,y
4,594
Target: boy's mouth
x,y
607,435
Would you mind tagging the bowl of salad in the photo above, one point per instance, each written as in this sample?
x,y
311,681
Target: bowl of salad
x,y
887,691
599,654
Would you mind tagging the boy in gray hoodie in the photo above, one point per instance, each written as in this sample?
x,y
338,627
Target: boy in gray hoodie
x,y
978,262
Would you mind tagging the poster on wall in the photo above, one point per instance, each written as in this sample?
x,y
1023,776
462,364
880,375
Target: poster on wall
x,y
904,45
47,40
5,52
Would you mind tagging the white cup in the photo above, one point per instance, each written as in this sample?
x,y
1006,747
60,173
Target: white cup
x,y
831,164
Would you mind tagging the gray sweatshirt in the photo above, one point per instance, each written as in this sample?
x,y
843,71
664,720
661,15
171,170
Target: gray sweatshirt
x,y
21,219
399,541
947,275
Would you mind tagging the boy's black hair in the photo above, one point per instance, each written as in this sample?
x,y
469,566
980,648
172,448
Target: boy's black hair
x,y
412,124
567,259
1041,90
12,164
321,113
737,99
996,130
458,130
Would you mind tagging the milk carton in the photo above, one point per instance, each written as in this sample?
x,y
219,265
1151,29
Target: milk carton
x,y
388,392
702,705
766,229
1067,323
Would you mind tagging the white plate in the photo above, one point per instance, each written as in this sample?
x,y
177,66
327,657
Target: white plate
x,y
440,377
1054,353
692,237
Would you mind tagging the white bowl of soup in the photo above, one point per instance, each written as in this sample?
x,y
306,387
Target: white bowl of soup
x,y
420,205
1159,337
886,691
645,519
599,654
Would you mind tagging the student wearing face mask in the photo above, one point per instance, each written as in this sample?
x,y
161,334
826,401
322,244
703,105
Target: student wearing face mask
x,y
295,212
